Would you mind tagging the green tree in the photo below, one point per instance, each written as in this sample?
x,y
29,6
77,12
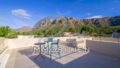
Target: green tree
x,y
70,29
86,29
4,30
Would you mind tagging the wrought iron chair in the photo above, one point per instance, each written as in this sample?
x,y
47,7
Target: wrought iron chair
x,y
56,49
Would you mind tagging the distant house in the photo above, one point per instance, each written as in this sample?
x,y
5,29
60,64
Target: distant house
x,y
116,35
69,34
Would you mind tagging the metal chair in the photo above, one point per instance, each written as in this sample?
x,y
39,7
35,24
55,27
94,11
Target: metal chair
x,y
57,47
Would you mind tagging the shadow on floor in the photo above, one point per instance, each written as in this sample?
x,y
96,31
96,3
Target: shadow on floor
x,y
90,60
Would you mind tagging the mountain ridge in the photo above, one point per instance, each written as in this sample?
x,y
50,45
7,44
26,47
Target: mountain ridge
x,y
23,29
97,22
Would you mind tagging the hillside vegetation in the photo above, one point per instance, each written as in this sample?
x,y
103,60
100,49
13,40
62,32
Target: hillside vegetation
x,y
93,27
57,26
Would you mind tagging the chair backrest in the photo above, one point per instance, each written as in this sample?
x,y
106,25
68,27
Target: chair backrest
x,y
71,42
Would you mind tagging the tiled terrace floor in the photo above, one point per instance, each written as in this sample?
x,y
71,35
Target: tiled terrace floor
x,y
23,58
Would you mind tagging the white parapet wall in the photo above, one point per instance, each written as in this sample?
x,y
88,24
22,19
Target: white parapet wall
x,y
82,42
20,43
4,55
26,41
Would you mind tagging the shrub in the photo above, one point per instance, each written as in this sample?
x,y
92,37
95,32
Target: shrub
x,y
11,34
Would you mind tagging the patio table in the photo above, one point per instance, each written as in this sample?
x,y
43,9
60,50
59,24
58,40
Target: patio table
x,y
40,44
50,45
49,41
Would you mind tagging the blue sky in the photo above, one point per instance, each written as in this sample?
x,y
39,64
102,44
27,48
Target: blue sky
x,y
17,13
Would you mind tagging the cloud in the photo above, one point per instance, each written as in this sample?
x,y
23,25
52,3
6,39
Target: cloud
x,y
21,13
97,16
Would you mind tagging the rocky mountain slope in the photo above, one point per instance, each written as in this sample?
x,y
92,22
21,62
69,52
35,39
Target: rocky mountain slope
x,y
73,22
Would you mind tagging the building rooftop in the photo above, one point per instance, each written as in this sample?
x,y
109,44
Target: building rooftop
x,y
23,58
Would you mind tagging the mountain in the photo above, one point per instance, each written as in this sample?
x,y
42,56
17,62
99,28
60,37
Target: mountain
x,y
47,22
97,22
103,22
24,29
59,25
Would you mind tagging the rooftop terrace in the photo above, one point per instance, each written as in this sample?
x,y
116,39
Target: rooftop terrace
x,y
23,58
99,54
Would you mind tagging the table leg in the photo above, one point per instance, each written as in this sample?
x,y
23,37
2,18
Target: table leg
x,y
40,52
